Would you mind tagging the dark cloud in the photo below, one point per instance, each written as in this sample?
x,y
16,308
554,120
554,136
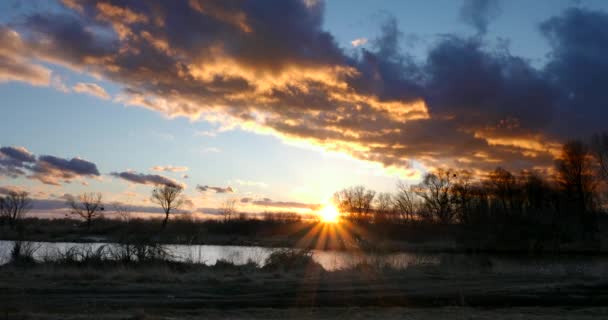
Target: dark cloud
x,y
578,68
269,66
18,161
149,179
15,160
479,13
51,169
18,154
216,189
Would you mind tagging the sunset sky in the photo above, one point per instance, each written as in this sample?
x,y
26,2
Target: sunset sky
x,y
281,103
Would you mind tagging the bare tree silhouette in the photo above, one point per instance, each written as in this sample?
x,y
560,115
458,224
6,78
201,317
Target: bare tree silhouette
x,y
356,201
122,211
14,206
228,209
578,184
405,202
504,188
599,144
576,175
87,205
436,190
169,198
383,208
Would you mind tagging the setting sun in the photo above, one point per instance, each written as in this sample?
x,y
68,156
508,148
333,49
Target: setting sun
x,y
329,213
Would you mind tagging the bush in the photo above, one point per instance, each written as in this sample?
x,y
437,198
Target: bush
x,y
23,253
291,260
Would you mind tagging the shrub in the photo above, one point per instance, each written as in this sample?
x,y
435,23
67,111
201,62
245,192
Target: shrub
x,y
291,260
23,252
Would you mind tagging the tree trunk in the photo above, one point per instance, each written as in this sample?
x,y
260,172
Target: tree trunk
x,y
165,220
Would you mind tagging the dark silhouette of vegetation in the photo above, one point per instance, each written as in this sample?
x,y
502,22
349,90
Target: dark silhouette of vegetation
x,y
529,211
228,209
88,206
169,198
14,206
356,202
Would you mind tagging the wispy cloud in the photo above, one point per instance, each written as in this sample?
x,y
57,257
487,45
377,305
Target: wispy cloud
x,y
267,202
250,183
148,179
211,150
170,168
91,89
206,133
206,188
358,42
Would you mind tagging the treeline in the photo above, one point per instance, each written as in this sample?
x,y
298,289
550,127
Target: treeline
x,y
501,206
498,210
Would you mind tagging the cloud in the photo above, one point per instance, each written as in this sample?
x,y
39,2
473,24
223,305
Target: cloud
x,y
206,133
5,190
211,150
479,13
16,63
92,89
16,156
170,168
251,183
358,42
269,67
266,202
51,169
18,161
148,179
206,188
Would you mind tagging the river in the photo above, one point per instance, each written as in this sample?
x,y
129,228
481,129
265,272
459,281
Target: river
x,y
335,260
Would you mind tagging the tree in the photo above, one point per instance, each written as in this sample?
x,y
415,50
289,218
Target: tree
x,y
356,201
578,183
599,144
404,202
169,198
436,190
87,205
576,175
463,194
504,190
228,209
14,206
383,207
122,211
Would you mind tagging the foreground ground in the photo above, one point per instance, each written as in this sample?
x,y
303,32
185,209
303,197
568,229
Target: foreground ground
x,y
172,291
456,313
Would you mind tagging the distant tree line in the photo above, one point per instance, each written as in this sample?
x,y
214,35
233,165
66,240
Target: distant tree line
x,y
561,206
551,207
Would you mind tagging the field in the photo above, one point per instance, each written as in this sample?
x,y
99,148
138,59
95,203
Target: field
x,y
292,286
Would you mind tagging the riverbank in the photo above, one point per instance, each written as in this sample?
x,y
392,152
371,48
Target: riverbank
x,y
421,238
395,313
162,289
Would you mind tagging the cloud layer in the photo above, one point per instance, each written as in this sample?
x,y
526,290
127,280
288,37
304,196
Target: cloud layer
x,y
268,66
149,179
18,161
267,202
206,188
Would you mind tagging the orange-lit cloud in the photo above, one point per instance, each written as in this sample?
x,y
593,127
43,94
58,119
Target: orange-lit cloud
x,y
270,68
92,89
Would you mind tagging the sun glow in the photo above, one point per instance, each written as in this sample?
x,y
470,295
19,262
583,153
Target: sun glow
x,y
329,213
